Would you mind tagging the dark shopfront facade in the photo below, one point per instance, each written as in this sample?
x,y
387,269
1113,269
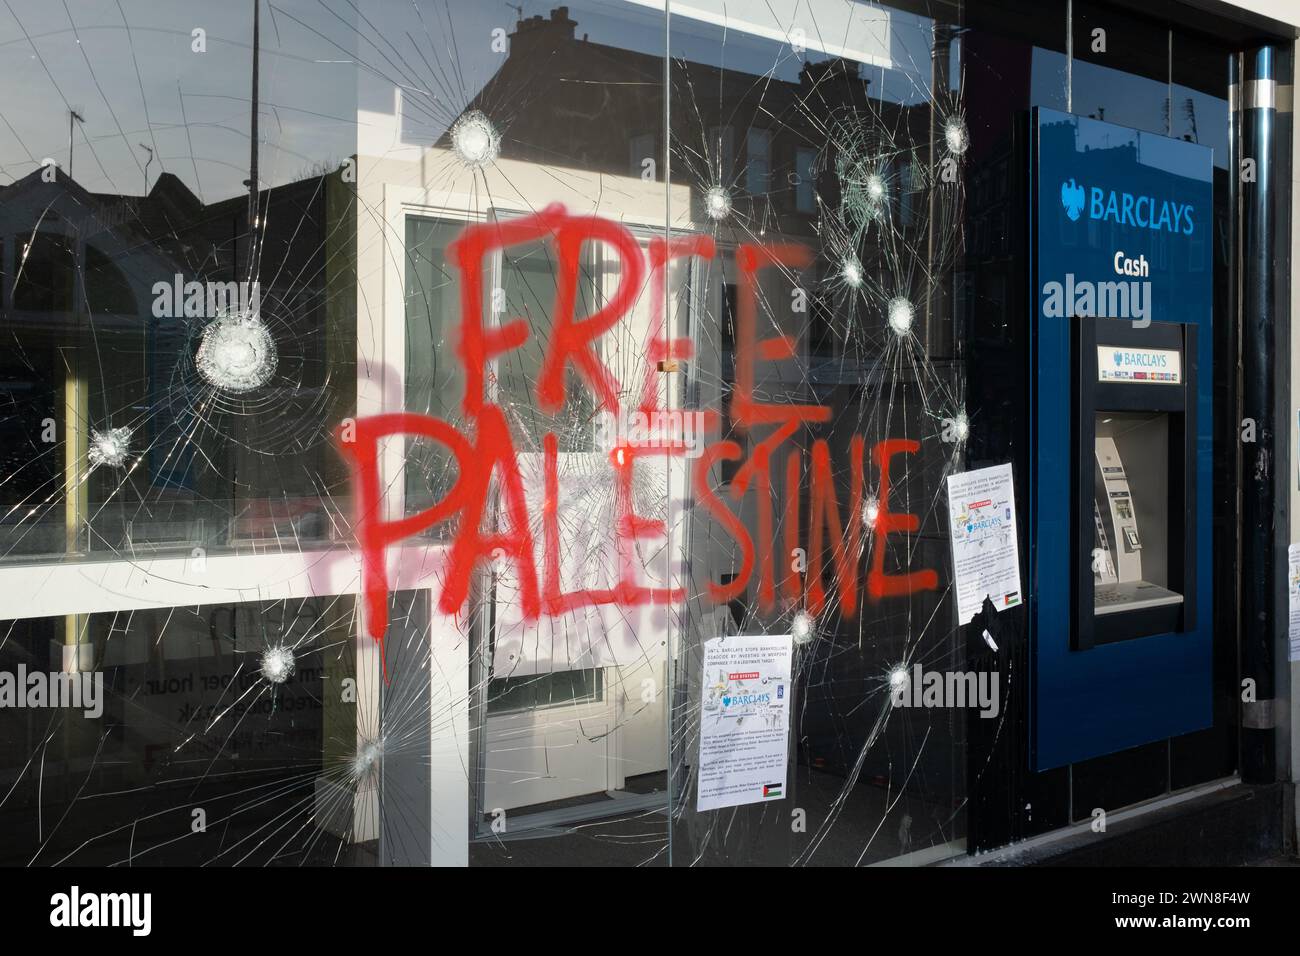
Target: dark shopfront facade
x,y
335,480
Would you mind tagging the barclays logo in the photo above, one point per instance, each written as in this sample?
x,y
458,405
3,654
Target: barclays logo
x,y
1145,359
1126,208
1073,199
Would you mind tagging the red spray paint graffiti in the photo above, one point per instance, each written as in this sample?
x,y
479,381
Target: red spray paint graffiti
x,y
487,458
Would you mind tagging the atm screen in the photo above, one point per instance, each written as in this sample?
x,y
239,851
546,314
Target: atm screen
x,y
1131,512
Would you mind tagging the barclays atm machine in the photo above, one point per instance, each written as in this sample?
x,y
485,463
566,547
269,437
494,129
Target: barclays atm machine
x,y
1121,482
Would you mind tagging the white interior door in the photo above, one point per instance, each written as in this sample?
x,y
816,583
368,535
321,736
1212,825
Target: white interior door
x,y
575,702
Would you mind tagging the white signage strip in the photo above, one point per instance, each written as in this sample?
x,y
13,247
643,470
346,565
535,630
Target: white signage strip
x,y
1119,363
846,29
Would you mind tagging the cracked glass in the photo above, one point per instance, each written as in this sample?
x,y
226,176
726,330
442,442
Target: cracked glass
x,y
399,399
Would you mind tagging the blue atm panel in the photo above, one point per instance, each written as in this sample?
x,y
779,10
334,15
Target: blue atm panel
x,y
1121,485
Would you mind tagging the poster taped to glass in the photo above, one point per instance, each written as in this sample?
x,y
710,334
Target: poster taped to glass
x,y
744,720
985,554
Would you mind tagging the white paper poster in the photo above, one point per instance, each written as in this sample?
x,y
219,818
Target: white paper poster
x,y
1293,600
985,552
744,720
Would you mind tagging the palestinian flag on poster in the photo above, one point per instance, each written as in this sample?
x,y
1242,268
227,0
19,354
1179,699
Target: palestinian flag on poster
x,y
771,790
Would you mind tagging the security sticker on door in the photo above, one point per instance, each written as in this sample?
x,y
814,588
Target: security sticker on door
x,y
744,720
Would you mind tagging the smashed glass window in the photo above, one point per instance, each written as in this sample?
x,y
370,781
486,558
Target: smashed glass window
x,y
430,428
